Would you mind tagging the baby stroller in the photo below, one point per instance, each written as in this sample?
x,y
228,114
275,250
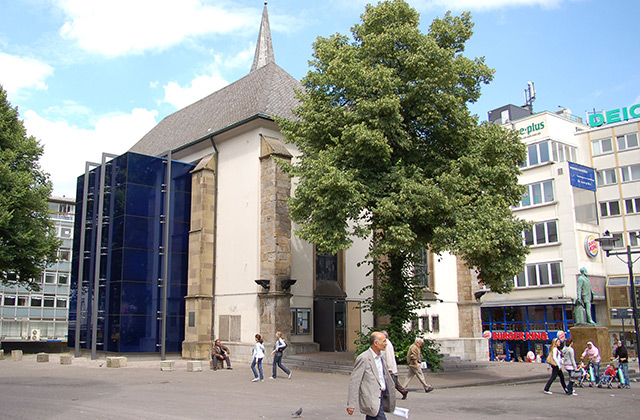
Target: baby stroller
x,y
581,376
609,377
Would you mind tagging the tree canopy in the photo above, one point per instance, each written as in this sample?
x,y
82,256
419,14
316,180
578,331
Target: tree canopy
x,y
27,236
391,153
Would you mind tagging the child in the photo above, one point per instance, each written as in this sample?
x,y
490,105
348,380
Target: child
x,y
258,355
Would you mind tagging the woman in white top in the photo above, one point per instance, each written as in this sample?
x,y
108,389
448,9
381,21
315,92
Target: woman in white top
x,y
277,356
258,355
555,361
569,363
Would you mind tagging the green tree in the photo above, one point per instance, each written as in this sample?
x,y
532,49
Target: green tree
x,y
390,153
27,236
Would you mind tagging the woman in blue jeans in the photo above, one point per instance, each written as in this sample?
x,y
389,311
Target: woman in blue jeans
x,y
277,356
258,355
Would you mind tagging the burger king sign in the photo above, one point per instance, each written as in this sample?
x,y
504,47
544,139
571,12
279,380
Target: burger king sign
x,y
591,246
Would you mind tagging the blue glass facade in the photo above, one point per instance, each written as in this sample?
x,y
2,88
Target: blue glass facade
x,y
545,321
130,253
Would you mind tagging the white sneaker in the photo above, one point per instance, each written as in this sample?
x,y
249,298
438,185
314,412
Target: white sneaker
x,y
548,392
574,393
271,377
289,376
255,379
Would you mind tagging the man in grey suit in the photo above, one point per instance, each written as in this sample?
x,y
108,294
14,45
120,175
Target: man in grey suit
x,y
370,382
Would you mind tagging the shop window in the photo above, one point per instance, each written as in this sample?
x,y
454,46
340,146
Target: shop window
x,y
300,321
630,173
609,208
606,177
628,141
602,146
632,205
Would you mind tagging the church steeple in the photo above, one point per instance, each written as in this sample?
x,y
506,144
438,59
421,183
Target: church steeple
x,y
264,48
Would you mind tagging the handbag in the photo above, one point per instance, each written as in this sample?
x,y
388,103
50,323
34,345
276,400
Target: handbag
x,y
551,360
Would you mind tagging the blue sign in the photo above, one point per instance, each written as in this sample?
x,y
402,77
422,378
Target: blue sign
x,y
582,176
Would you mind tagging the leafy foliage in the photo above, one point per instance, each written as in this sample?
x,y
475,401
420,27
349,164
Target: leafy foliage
x,y
391,154
27,237
430,348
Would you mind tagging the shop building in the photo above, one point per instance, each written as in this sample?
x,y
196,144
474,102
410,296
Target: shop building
x,y
560,201
611,146
40,317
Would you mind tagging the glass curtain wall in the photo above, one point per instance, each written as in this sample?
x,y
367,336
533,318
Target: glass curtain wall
x,y
130,254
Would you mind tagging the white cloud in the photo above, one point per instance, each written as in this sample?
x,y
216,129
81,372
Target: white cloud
x,y
22,72
458,4
197,89
67,147
120,27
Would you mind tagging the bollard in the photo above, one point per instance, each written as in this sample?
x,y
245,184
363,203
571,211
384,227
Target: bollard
x,y
66,359
1,354
194,366
167,365
42,358
16,355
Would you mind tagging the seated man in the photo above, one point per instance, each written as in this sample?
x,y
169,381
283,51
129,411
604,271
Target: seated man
x,y
220,353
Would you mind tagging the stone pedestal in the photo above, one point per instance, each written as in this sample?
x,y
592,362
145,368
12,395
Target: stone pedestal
x,y
116,362
16,355
42,358
598,335
66,359
167,365
194,366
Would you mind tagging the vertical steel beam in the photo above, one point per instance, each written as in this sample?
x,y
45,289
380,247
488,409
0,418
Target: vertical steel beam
x,y
167,255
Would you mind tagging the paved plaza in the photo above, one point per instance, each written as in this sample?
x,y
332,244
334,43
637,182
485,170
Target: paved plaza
x,y
87,389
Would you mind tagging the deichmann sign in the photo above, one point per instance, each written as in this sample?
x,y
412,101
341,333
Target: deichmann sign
x,y
615,115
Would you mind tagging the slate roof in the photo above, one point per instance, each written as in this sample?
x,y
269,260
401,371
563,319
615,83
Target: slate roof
x,y
266,91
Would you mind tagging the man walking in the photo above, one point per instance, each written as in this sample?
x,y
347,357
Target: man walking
x,y
392,366
370,381
414,359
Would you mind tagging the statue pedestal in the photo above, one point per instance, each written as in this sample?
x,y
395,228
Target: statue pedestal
x,y
599,336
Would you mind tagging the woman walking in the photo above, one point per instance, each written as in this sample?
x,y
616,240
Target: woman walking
x,y
555,360
623,363
277,356
569,363
258,355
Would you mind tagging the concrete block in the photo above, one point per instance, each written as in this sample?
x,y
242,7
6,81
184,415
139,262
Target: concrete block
x,y
194,366
42,358
1,354
116,362
167,365
66,359
16,355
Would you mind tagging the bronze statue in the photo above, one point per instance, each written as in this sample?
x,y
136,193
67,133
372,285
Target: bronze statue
x,y
582,308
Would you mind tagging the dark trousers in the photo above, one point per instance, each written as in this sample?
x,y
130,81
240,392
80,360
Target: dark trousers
x,y
556,372
380,415
399,387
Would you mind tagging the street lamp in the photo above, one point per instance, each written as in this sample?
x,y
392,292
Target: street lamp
x,y
607,244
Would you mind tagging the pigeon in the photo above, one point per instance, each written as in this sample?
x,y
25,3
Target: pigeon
x,y
297,413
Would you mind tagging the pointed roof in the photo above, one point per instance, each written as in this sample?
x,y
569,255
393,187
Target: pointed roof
x,y
264,48
266,91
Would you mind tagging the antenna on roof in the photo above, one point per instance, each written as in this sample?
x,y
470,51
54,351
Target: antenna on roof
x,y
529,96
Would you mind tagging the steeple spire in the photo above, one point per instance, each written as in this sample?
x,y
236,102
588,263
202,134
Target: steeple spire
x,y
264,48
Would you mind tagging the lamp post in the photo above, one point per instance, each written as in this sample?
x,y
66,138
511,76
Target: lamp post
x,y
607,244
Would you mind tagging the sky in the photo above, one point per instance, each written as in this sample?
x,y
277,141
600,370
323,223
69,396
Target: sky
x,y
94,76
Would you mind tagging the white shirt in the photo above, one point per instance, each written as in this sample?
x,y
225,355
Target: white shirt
x,y
378,360
258,351
390,358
